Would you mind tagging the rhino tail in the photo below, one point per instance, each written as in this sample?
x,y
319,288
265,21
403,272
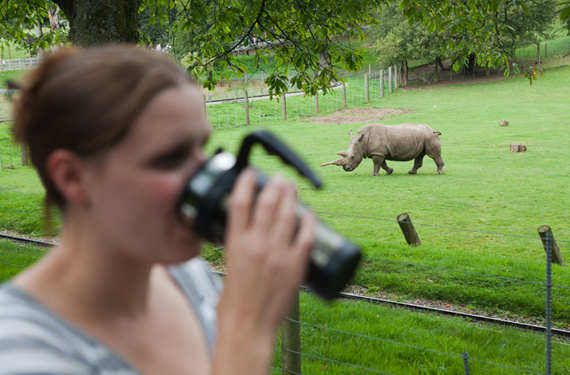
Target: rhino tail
x,y
437,133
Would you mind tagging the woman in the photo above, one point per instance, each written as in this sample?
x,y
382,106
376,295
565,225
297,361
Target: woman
x,y
114,133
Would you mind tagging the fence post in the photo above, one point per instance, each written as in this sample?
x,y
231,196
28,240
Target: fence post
x,y
317,103
390,79
366,89
343,95
408,230
291,340
284,107
545,234
466,363
549,240
382,84
246,104
395,76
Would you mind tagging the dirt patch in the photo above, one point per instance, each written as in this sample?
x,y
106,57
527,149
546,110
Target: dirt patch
x,y
358,115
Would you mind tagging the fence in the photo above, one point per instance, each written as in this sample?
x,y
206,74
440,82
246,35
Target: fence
x,y
18,64
359,343
292,353
227,108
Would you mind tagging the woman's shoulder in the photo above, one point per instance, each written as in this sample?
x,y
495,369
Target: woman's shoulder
x,y
33,340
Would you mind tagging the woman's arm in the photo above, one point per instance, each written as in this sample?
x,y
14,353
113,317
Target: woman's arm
x,y
267,259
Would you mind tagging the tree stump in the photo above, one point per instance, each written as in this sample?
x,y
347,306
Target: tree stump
x,y
546,236
408,230
518,148
503,123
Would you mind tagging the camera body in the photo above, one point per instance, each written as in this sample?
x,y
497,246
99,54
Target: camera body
x,y
205,199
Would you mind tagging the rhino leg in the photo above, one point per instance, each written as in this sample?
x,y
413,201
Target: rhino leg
x,y
379,162
439,162
418,162
387,168
433,150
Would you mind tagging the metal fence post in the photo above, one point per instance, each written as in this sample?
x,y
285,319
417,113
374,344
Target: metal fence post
x,y
382,84
366,89
246,104
284,107
466,363
317,103
549,241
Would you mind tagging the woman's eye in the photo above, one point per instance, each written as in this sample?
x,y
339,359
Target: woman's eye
x,y
171,160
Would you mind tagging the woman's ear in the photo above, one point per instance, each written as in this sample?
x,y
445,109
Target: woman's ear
x,y
67,172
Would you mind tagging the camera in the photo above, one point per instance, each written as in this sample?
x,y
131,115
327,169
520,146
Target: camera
x,y
204,203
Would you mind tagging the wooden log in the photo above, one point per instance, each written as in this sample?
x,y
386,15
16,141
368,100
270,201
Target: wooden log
x,y
517,148
503,123
408,230
546,236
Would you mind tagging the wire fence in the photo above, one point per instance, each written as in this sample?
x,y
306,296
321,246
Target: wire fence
x,y
321,344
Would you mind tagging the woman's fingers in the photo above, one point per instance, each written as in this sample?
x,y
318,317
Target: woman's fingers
x,y
241,201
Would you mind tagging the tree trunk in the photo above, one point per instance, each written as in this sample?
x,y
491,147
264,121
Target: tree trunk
x,y
405,63
93,22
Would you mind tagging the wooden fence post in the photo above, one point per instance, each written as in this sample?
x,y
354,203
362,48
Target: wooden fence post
x,y
317,103
545,234
246,104
408,230
284,107
390,79
382,84
291,341
343,95
366,89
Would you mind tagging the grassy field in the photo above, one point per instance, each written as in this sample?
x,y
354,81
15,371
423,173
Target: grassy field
x,y
477,222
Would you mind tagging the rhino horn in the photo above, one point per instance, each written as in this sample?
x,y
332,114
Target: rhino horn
x,y
335,162
344,154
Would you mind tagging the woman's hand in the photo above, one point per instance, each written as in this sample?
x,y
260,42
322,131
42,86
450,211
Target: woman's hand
x,y
266,259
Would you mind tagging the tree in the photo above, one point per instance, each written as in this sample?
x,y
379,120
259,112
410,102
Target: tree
x,y
564,12
302,35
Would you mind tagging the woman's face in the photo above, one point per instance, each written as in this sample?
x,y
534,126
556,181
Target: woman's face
x,y
134,190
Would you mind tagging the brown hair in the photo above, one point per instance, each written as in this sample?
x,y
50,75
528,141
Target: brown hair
x,y
86,101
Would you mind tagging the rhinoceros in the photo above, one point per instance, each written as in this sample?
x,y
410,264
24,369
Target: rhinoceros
x,y
381,142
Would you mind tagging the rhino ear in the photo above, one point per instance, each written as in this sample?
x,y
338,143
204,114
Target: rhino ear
x,y
344,154
350,133
361,136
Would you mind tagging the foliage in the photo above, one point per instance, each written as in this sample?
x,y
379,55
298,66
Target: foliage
x,y
303,37
489,36
18,17
491,27
395,40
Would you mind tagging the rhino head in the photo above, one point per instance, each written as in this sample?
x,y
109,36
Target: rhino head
x,y
351,158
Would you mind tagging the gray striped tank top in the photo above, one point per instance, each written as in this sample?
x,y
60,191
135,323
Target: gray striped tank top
x,y
33,340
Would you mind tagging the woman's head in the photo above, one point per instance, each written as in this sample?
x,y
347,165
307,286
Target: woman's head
x,y
86,101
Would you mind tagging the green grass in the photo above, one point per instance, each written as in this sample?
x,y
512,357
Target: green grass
x,y
477,223
14,258
349,337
